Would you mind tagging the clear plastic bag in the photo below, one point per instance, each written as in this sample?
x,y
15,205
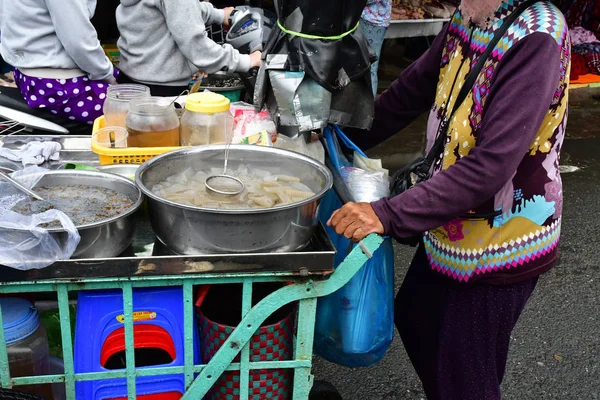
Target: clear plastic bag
x,y
355,325
313,150
24,244
366,186
249,122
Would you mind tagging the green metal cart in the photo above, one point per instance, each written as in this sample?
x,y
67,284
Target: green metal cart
x,y
310,271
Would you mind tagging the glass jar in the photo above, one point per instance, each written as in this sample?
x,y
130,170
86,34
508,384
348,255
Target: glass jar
x,y
117,102
26,343
152,122
206,120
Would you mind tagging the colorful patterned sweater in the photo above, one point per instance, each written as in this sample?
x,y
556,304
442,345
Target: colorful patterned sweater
x,y
492,210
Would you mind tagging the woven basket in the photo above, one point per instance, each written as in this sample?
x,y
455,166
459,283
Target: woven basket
x,y
270,343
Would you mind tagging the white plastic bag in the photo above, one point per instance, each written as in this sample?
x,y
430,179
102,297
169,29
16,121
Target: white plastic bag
x,y
367,180
366,186
24,244
313,150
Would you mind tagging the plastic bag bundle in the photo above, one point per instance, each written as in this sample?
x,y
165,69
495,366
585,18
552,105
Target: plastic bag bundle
x,y
24,244
249,122
366,186
313,150
355,325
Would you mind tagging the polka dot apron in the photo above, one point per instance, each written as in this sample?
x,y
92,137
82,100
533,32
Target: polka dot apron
x,y
77,99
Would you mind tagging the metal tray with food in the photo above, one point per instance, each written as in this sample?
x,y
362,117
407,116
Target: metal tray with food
x,y
148,256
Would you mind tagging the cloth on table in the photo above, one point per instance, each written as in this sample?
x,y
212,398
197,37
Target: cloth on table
x,y
77,99
593,62
585,48
591,54
588,79
33,153
580,35
578,66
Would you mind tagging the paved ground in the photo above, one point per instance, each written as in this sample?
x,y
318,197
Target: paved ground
x,y
555,352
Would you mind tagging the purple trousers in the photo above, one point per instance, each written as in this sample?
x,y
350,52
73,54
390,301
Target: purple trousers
x,y
457,336
76,99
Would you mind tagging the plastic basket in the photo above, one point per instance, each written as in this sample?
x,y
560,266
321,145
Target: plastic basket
x,y
270,343
129,155
232,95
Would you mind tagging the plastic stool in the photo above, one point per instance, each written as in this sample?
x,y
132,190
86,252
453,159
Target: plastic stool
x,y
158,328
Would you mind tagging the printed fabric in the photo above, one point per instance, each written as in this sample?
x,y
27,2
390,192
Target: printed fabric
x,y
375,36
580,35
378,12
77,99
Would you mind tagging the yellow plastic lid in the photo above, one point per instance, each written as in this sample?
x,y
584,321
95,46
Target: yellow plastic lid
x,y
207,103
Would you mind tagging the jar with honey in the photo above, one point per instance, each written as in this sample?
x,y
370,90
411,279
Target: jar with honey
x,y
152,122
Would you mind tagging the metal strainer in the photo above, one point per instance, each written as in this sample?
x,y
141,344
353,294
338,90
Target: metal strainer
x,y
224,184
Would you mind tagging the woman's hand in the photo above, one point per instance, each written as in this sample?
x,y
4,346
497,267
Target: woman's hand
x,y
199,75
228,11
356,221
255,59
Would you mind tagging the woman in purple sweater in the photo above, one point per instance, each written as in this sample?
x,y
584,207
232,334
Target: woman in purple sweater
x,y
490,215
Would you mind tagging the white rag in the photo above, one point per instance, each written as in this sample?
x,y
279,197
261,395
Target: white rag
x,y
33,153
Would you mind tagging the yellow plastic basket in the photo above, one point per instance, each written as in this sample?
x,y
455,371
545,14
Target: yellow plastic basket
x,y
129,155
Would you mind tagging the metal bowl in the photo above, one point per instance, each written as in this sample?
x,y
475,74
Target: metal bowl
x,y
196,230
124,170
103,239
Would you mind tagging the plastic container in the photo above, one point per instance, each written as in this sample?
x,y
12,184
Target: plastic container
x,y
56,366
152,122
112,137
206,120
117,101
27,343
129,155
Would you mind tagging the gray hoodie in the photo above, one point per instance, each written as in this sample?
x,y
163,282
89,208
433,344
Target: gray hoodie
x,y
54,37
164,42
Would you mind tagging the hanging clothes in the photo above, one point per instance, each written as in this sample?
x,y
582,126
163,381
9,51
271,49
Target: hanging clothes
x,y
579,13
595,25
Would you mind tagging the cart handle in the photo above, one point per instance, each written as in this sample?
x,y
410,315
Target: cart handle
x,y
273,302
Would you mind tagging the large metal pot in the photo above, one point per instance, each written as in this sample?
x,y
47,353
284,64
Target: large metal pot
x,y
195,230
103,239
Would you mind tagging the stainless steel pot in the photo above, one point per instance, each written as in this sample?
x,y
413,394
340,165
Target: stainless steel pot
x,y
196,230
103,239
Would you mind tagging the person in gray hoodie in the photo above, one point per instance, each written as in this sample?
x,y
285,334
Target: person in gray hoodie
x,y
164,42
58,61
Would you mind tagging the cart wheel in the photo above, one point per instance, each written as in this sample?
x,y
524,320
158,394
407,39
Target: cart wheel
x,y
7,394
323,390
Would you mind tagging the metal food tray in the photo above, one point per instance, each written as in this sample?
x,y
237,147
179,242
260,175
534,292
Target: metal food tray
x,y
147,256
415,28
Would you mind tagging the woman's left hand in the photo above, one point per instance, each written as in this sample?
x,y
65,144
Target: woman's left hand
x,y
356,221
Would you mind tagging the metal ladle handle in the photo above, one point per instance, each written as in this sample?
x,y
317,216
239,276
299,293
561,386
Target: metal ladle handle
x,y
19,186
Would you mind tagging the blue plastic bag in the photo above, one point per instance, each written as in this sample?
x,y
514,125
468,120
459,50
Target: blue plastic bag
x,y
355,325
